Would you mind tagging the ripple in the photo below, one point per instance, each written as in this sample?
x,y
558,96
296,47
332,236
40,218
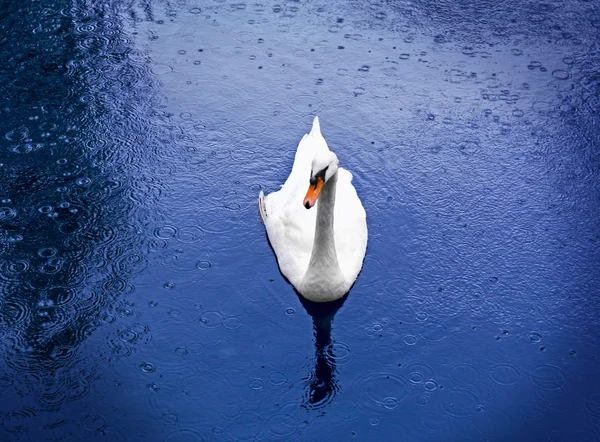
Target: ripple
x,y
183,434
548,377
277,378
217,221
561,74
416,377
284,424
487,420
211,319
16,310
189,234
165,232
504,374
247,426
460,403
203,265
7,213
410,340
467,147
5,385
147,367
305,104
465,373
592,404
382,388
430,385
533,410
434,331
232,322
338,353
256,384
255,126
12,271
94,423
161,69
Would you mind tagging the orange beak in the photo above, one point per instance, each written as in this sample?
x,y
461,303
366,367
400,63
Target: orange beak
x,y
313,193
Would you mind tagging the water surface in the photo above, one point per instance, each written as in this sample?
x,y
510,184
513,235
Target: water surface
x,y
140,299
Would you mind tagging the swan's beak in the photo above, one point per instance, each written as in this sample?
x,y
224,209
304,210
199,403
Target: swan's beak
x,y
313,193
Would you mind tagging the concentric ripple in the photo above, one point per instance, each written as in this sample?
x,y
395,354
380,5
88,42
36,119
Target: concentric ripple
x,y
382,391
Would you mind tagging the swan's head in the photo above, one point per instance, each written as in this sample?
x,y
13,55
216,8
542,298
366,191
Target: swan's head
x,y
324,166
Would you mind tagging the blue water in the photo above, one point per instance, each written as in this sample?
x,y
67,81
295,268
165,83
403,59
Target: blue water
x,y
140,299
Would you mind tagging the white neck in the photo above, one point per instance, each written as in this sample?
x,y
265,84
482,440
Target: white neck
x,y
324,277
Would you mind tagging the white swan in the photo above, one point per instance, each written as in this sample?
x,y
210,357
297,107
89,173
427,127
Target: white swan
x,y
319,251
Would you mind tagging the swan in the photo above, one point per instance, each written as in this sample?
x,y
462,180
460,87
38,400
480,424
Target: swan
x,y
319,250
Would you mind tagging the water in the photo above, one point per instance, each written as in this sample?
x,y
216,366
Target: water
x,y
140,299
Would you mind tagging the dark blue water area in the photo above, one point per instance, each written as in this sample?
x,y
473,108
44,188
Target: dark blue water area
x,y
140,299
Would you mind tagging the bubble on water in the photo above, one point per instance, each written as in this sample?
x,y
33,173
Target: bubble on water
x,y
290,311
535,337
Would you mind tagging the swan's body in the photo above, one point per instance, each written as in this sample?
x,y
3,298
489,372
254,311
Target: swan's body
x,y
320,250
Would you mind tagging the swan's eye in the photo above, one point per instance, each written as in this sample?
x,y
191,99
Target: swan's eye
x,y
320,174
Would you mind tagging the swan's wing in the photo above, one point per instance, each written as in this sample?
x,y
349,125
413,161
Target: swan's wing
x,y
350,227
290,228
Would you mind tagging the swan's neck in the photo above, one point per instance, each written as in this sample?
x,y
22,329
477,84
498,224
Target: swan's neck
x,y
324,255
324,274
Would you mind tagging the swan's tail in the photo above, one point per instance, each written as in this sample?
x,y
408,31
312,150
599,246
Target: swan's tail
x,y
261,207
316,127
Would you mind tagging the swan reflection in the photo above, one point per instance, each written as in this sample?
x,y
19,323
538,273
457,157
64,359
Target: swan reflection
x,y
321,385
